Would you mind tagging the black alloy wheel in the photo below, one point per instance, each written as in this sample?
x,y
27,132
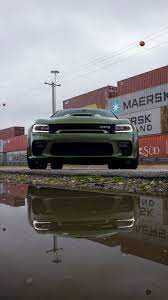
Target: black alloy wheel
x,y
113,165
57,165
36,163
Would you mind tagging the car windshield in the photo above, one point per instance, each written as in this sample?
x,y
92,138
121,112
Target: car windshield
x,y
92,112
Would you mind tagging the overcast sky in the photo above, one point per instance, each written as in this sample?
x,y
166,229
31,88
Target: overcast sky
x,y
92,44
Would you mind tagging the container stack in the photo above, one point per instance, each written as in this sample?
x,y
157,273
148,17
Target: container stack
x,y
144,100
1,152
13,145
93,99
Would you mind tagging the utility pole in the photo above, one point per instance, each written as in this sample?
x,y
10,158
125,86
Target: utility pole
x,y
55,250
53,85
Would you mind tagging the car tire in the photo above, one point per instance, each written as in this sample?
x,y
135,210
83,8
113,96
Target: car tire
x,y
134,163
131,164
36,163
113,165
57,165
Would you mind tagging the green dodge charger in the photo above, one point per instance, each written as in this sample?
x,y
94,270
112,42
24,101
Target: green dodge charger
x,y
83,136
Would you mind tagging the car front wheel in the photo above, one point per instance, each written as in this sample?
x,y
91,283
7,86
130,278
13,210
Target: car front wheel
x,y
56,165
113,165
36,163
131,164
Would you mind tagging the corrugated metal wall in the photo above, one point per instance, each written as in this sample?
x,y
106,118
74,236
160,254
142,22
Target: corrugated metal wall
x,y
94,99
143,81
154,148
1,146
147,122
13,150
17,143
147,109
16,157
144,100
13,195
11,132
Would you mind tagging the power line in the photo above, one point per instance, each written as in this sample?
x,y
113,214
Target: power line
x,y
116,56
120,52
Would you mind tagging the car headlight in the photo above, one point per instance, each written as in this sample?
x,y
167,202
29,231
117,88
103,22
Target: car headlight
x,y
40,128
123,128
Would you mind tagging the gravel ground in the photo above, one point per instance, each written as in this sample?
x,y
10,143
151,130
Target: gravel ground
x,y
97,183
145,173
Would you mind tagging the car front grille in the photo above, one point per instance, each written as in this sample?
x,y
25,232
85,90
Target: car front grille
x,y
82,128
82,149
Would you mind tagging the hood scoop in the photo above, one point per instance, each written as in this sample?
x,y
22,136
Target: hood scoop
x,y
82,115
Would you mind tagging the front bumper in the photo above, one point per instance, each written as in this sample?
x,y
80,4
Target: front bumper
x,y
83,147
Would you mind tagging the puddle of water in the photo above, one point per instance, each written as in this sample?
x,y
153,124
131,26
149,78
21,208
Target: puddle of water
x,y
57,244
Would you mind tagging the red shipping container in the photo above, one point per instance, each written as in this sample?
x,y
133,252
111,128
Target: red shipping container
x,y
143,81
11,132
154,146
97,97
18,143
13,195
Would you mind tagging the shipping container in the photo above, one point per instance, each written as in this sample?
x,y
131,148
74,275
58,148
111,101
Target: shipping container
x,y
2,158
11,132
142,100
153,148
146,242
93,99
147,122
1,145
147,109
18,143
13,195
164,118
143,81
16,158
152,210
150,230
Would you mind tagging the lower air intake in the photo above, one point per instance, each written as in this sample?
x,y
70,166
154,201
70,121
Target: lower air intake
x,y
125,148
82,149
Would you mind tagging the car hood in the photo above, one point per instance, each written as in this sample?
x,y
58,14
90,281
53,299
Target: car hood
x,y
69,119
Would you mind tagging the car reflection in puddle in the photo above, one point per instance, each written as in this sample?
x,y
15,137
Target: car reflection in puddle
x,y
97,217
90,215
120,238
139,224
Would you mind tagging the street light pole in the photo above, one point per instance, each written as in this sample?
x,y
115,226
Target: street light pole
x,y
53,85
53,98
55,250
55,72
